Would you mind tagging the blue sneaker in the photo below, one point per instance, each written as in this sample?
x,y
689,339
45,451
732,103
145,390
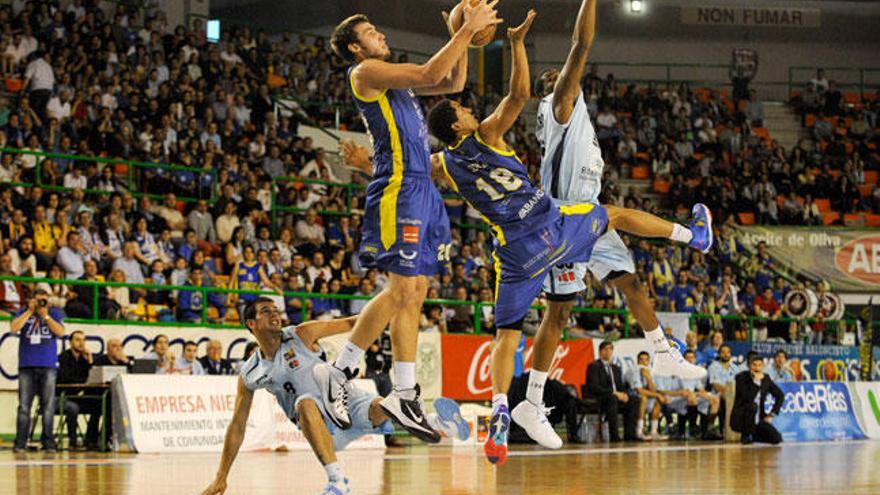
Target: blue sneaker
x,y
449,412
701,227
496,444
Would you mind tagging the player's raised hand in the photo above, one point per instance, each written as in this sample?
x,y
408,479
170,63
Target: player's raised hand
x,y
445,15
519,33
217,487
480,14
356,156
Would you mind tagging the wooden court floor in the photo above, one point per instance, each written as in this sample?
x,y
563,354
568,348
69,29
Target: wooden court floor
x,y
838,468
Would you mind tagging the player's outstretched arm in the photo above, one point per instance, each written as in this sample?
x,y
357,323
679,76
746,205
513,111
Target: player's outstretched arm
x,y
234,437
455,80
374,75
492,129
312,331
567,87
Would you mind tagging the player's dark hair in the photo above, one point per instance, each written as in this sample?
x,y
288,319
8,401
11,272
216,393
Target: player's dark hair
x,y
189,343
691,352
75,332
157,337
723,346
782,351
250,311
440,120
344,35
540,88
605,344
643,352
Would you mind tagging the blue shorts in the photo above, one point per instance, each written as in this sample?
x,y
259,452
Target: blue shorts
x,y
524,263
359,402
407,234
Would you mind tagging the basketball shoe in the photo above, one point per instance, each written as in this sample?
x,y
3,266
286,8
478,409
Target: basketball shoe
x,y
333,383
496,444
448,419
406,409
671,363
533,419
701,228
337,487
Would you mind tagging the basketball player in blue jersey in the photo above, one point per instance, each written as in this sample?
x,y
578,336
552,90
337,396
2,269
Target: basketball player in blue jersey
x,y
532,234
283,365
405,230
571,172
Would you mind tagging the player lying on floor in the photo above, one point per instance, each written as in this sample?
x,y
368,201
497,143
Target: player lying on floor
x,y
532,234
283,365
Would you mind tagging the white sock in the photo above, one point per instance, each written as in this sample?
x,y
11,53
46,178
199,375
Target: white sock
x,y
640,426
350,357
657,339
499,400
334,471
404,375
535,392
681,233
655,424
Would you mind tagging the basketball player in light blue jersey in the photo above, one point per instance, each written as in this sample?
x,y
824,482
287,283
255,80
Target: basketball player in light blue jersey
x,y
283,365
405,228
571,172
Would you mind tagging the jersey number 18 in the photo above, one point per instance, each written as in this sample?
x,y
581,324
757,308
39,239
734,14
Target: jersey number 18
x,y
503,178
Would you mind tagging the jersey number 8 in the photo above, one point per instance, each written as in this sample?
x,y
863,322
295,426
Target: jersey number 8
x,y
503,178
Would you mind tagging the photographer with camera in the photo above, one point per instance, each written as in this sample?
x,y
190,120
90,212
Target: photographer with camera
x,y
39,327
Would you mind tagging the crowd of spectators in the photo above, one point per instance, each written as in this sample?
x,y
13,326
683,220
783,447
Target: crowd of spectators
x,y
123,84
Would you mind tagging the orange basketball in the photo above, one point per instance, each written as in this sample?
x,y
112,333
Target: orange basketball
x,y
830,371
482,37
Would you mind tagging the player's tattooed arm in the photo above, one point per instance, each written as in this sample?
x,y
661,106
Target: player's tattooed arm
x,y
492,129
234,438
568,86
315,330
455,80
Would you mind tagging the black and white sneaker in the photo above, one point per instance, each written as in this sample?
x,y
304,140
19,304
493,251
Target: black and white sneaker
x,y
333,384
406,409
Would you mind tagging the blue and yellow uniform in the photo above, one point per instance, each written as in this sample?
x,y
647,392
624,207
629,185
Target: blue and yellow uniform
x,y
531,233
247,277
406,230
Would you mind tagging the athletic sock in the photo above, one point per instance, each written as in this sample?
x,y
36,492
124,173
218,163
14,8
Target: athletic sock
x,y
681,233
404,375
350,357
535,392
498,400
640,426
658,340
334,471
655,424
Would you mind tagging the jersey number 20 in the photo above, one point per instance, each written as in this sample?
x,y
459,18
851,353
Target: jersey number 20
x,y
503,178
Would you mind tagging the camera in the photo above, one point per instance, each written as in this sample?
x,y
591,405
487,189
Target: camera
x,y
42,303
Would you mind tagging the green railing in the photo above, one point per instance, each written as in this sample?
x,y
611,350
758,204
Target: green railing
x,y
131,182
858,79
748,323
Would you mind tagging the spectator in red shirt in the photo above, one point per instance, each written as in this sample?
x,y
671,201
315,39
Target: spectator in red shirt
x,y
767,307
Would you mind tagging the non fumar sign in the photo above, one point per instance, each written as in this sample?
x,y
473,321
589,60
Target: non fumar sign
x,y
776,17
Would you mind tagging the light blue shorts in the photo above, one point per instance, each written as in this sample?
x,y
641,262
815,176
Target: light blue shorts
x,y
359,402
609,255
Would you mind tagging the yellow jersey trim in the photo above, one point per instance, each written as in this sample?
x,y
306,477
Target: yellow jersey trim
x,y
576,209
388,203
358,95
496,150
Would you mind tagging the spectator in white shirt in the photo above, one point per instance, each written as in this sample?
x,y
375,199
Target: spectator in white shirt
x,y
59,106
39,79
75,179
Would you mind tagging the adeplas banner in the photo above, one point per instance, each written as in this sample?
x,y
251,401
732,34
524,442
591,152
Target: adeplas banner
x,y
848,259
817,411
830,363
466,371
866,400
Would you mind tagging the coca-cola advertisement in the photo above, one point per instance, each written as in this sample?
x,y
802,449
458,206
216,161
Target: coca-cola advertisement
x,y
466,373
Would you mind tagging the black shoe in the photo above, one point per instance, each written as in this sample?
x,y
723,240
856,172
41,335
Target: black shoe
x,y
712,436
405,408
19,450
746,440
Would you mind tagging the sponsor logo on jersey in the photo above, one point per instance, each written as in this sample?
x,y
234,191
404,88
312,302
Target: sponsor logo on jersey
x,y
528,207
411,234
290,357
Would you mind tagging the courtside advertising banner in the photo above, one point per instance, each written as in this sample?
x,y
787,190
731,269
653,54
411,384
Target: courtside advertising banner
x,y
180,413
466,372
817,411
829,363
848,259
866,400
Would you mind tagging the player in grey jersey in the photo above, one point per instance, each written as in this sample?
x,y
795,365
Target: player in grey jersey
x,y
283,365
571,172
